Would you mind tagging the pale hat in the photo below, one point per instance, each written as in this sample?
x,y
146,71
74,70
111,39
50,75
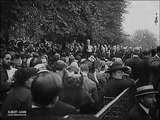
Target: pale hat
x,y
145,90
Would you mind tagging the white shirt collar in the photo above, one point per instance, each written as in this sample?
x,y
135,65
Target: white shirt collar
x,y
35,106
135,55
144,108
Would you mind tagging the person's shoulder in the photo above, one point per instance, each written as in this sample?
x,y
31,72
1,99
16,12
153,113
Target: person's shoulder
x,y
64,105
134,112
91,82
128,60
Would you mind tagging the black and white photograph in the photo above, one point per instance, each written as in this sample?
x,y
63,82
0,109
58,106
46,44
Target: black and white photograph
x,y
80,60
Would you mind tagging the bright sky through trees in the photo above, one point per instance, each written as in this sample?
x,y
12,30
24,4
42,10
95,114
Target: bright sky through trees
x,y
141,15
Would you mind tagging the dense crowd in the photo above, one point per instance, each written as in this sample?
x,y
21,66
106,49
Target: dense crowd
x,y
50,80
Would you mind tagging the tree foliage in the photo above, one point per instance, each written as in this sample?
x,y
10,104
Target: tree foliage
x,y
64,20
144,38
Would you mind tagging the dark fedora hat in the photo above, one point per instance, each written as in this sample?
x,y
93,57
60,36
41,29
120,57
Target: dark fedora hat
x,y
145,90
117,66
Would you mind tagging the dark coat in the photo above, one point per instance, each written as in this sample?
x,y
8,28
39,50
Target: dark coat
x,y
144,72
62,109
4,85
154,69
74,96
137,113
91,87
134,64
20,99
113,87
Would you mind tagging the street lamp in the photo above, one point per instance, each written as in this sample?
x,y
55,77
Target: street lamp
x,y
157,28
156,19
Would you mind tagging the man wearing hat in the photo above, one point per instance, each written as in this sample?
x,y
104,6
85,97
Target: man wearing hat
x,y
116,83
146,100
154,70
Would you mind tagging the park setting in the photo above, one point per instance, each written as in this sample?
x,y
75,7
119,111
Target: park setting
x,y
80,60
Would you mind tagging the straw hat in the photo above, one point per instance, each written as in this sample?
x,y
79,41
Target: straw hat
x,y
145,90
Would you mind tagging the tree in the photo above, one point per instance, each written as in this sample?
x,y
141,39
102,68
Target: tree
x,y
144,38
127,41
64,20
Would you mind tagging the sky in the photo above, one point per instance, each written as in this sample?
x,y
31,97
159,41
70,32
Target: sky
x,y
141,15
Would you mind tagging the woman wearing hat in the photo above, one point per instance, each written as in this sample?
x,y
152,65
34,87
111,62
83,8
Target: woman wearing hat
x,y
116,83
146,100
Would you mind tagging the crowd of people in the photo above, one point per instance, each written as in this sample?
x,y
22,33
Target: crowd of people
x,y
50,81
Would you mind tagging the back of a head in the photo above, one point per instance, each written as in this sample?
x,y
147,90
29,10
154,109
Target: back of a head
x,y
73,82
84,67
136,51
59,65
35,61
56,57
45,88
118,60
97,64
146,52
23,74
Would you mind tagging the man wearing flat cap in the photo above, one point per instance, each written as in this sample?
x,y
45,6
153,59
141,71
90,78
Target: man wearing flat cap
x,y
116,83
146,101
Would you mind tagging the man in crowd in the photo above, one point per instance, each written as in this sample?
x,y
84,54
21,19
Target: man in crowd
x,y
154,69
133,62
5,80
89,48
90,87
146,100
116,83
44,89
144,69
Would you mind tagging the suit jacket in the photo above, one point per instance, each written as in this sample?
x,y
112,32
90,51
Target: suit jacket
x,y
91,88
113,87
89,85
134,64
137,113
154,69
144,72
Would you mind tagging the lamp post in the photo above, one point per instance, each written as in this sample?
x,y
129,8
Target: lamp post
x,y
157,28
156,20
